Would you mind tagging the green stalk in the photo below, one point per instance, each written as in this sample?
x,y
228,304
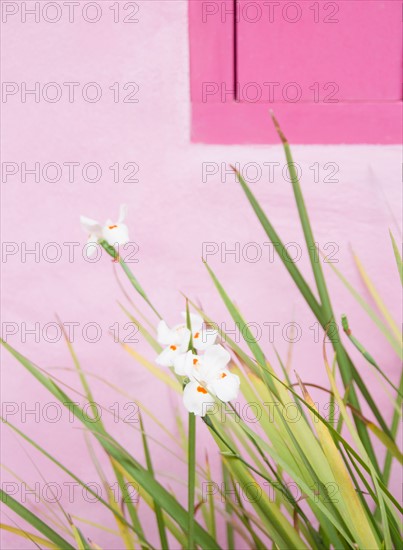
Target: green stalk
x,y
280,248
115,255
397,256
191,478
258,544
364,352
396,415
119,478
280,533
127,463
284,488
393,431
157,508
191,452
323,311
307,230
34,520
343,360
77,479
382,327
211,513
230,529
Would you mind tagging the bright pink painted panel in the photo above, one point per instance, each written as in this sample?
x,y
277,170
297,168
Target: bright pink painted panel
x,y
356,45
211,30
363,57
303,123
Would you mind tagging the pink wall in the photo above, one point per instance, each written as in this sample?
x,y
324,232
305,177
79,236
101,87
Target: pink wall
x,y
171,213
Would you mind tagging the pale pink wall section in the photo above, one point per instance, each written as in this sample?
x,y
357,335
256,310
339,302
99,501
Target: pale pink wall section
x,y
171,213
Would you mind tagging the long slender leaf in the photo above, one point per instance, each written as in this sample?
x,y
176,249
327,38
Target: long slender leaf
x,y
158,511
33,520
134,471
398,257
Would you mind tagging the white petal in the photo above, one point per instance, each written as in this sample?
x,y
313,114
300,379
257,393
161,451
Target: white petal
x,y
196,322
181,337
92,239
186,364
226,386
216,358
203,372
167,357
91,226
116,233
182,363
122,213
165,335
204,338
92,245
197,400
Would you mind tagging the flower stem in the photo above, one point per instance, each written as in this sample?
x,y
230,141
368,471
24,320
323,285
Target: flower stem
x,y
191,478
115,255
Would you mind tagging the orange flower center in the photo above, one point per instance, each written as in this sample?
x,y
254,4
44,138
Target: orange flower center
x,y
195,361
173,348
200,389
197,335
112,227
223,375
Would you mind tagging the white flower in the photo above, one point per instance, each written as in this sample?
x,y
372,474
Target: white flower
x,y
114,233
209,377
176,341
202,337
208,374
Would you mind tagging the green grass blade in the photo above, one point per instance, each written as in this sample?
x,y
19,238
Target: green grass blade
x,y
288,263
82,543
136,285
33,520
370,312
69,473
398,257
229,527
284,535
243,327
41,542
364,352
307,230
393,431
374,473
338,437
144,332
258,544
134,471
354,514
158,511
211,511
323,311
377,298
126,535
344,362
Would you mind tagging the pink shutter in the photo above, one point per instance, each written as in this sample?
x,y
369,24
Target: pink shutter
x,y
331,71
353,48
